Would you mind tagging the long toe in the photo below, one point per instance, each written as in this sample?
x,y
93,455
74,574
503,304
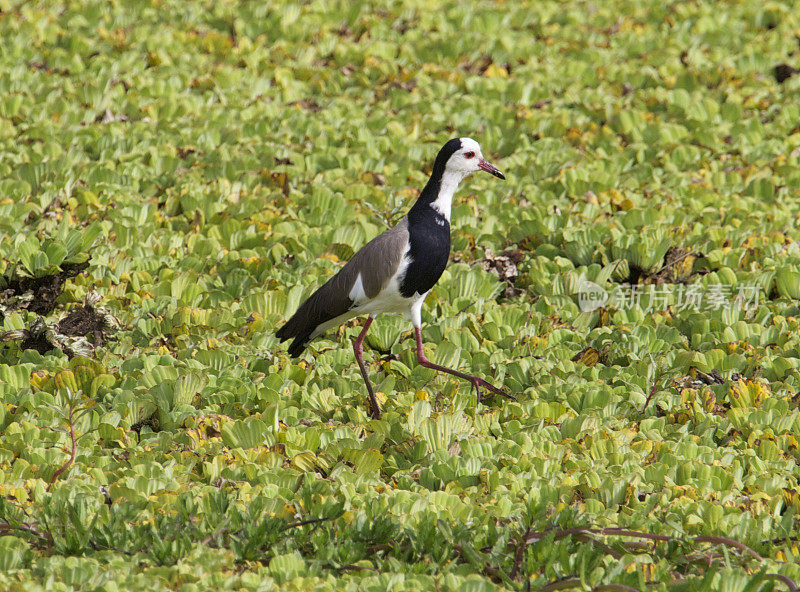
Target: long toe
x,y
496,390
476,384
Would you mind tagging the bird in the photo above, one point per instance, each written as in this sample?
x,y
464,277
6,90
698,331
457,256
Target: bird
x,y
395,271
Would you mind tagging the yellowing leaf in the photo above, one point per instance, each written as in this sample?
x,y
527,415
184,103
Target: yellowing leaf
x,y
495,71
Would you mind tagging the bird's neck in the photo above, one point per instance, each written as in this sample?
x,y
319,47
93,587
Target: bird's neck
x,y
438,193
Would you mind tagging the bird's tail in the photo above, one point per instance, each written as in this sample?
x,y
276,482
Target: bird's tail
x,y
328,302
298,328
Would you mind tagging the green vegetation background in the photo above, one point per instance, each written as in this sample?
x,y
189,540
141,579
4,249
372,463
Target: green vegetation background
x,y
213,162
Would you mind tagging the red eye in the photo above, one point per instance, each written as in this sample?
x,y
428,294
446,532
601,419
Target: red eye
x,y
469,155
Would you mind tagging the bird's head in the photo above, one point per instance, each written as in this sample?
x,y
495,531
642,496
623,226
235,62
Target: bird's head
x,y
463,156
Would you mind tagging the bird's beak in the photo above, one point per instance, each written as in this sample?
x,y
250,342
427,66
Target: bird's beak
x,y
490,168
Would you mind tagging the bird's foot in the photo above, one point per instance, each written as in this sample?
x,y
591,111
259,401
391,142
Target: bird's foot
x,y
374,406
479,383
374,410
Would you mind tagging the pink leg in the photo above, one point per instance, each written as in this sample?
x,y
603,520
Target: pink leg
x,y
474,380
358,348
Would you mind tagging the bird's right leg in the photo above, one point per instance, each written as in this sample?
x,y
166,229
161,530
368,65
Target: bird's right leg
x,y
475,381
358,349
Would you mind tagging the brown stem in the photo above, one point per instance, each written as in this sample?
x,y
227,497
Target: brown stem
x,y
785,579
576,583
730,542
519,555
561,585
72,452
26,527
631,533
650,396
305,522
589,539
583,532
216,533
357,568
636,545
706,559
492,572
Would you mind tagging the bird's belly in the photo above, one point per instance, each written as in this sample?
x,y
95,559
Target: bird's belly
x,y
389,300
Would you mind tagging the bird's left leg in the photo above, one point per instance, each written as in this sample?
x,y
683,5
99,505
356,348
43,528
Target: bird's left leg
x,y
474,380
358,349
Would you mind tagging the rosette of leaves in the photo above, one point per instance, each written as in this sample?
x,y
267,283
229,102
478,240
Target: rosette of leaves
x,y
580,246
15,553
35,257
173,399
384,335
643,253
787,282
462,286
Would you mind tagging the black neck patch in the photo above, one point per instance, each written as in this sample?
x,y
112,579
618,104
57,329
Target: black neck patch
x,y
431,190
450,148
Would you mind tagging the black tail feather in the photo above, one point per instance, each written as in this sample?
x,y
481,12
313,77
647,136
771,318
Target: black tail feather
x,y
298,345
328,302
293,329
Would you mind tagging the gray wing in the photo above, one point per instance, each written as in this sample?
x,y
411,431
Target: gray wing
x,y
376,263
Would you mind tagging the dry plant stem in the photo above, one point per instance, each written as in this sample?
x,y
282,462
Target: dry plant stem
x,y
26,527
630,533
730,542
785,579
72,452
533,537
675,262
650,396
589,539
570,583
489,570
519,555
561,585
306,522
584,534
576,583
216,532
351,567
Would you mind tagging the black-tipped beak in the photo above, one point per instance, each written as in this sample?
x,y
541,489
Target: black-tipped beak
x,y
490,168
